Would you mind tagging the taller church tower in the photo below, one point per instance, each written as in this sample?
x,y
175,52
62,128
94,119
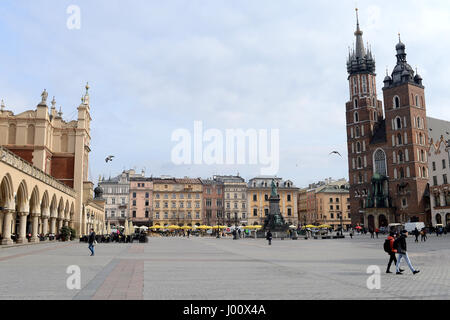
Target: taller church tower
x,y
364,114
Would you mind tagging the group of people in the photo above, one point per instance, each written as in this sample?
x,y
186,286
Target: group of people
x,y
396,244
92,239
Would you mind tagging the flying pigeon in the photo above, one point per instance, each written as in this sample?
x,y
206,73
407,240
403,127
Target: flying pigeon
x,y
335,152
109,158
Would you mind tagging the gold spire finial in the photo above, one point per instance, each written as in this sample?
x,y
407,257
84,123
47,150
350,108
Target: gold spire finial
x,y
399,39
87,87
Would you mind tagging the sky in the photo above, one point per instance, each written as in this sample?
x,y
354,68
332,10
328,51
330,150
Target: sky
x,y
155,67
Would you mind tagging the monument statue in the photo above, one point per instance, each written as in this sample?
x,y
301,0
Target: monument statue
x,y
44,96
274,189
274,220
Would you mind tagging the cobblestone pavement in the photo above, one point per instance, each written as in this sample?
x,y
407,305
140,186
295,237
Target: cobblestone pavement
x,y
209,268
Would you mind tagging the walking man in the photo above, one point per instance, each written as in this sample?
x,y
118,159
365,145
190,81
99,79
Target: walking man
x,y
269,237
416,234
91,242
390,250
400,246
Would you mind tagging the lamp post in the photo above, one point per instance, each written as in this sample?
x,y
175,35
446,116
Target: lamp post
x,y
340,218
218,229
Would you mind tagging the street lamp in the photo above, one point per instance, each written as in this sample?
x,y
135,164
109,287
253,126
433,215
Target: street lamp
x,y
340,218
218,231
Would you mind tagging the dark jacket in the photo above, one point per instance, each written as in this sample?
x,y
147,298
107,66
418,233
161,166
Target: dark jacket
x,y
91,238
269,235
401,244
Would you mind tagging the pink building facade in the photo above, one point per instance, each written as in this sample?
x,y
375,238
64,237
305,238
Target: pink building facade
x,y
141,201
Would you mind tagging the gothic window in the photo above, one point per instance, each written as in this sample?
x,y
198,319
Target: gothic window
x,y
355,86
356,117
360,179
380,162
424,172
422,156
418,123
421,139
421,102
355,104
359,163
375,118
364,84
396,102
357,132
399,139
400,156
402,173
358,147
398,123
417,101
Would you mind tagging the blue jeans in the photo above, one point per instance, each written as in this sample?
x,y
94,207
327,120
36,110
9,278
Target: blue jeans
x,y
400,257
91,247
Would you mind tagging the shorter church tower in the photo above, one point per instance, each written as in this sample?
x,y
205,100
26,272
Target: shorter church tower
x,y
407,137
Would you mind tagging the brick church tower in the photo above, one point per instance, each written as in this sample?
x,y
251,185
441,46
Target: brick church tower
x,y
387,160
407,137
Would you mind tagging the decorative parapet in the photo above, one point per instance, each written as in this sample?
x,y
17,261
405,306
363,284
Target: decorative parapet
x,y
17,162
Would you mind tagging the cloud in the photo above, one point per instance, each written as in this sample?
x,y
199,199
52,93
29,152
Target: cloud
x,y
156,66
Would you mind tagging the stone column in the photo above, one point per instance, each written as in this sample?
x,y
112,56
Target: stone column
x,y
35,229
22,227
7,219
44,225
60,225
53,225
2,213
66,223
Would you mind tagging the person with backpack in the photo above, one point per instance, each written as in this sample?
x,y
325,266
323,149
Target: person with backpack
x,y
400,246
390,250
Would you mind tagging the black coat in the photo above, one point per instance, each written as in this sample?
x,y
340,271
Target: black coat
x,y
401,244
91,238
269,235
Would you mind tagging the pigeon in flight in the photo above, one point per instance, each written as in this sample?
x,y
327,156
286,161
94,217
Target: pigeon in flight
x,y
335,152
109,158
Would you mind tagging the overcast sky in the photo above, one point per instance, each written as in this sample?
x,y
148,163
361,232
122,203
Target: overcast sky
x,y
157,66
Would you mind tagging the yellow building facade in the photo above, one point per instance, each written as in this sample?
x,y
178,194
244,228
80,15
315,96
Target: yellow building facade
x,y
177,201
259,190
332,203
